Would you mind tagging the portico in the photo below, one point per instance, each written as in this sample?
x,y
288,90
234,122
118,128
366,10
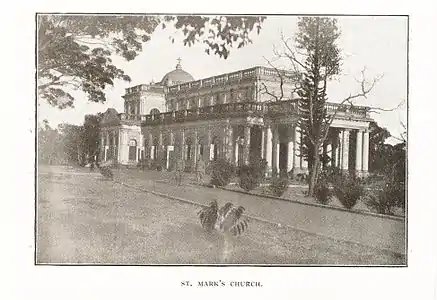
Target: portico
x,y
252,133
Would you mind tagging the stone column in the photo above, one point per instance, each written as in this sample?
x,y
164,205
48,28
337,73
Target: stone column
x,y
150,142
209,152
161,145
297,154
275,150
246,150
183,144
102,147
365,160
269,148
359,153
223,144
345,150
171,141
263,141
107,145
114,146
290,149
277,156
236,151
230,143
120,146
339,149
194,151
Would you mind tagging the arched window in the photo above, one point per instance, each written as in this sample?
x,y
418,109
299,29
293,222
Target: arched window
x,y
133,150
154,111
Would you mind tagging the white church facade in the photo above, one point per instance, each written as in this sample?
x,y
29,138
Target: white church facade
x,y
235,116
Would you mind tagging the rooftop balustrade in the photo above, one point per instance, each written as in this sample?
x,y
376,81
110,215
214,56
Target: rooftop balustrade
x,y
144,87
241,109
230,78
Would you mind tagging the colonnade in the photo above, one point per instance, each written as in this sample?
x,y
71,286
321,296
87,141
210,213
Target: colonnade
x,y
109,144
340,150
236,145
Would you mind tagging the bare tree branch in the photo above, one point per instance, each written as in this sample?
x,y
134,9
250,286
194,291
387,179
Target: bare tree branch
x,y
363,93
291,54
378,109
281,83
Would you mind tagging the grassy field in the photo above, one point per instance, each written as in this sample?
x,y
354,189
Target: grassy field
x,y
82,218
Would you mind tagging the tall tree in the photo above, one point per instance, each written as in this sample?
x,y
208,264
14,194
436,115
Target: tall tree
x,y
377,147
47,140
74,51
91,129
317,38
72,146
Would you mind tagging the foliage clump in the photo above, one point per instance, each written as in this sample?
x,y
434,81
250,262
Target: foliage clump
x,y
384,200
278,186
251,175
348,188
222,171
322,190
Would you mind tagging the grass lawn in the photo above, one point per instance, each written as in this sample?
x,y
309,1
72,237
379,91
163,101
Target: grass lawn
x,y
85,219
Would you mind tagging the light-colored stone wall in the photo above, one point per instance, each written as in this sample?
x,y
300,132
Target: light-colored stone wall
x,y
271,91
150,101
126,134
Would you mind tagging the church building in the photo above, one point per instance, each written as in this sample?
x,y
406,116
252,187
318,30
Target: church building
x,y
234,116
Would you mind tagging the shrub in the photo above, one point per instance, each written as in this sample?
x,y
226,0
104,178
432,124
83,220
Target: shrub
x,y
348,189
208,167
157,165
383,201
398,192
252,175
377,201
278,186
302,177
222,172
291,174
258,167
283,173
322,191
248,182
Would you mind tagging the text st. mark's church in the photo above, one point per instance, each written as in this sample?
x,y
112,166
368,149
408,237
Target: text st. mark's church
x,y
232,116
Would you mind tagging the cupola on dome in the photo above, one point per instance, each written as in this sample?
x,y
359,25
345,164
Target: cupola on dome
x,y
176,76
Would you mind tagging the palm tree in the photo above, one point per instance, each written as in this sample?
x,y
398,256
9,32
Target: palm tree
x,y
227,220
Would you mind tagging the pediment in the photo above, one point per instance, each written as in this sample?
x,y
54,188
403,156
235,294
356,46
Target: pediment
x,y
110,117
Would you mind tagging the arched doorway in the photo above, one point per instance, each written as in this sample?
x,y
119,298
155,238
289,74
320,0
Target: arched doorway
x,y
132,150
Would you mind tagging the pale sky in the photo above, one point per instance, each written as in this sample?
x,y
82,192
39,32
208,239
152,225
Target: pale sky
x,y
377,43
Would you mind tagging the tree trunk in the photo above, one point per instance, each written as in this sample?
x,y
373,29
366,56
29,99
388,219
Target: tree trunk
x,y
314,171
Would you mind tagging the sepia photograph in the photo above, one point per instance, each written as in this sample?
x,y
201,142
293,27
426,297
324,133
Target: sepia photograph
x,y
221,140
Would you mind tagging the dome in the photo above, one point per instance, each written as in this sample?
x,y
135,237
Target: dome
x,y
176,76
